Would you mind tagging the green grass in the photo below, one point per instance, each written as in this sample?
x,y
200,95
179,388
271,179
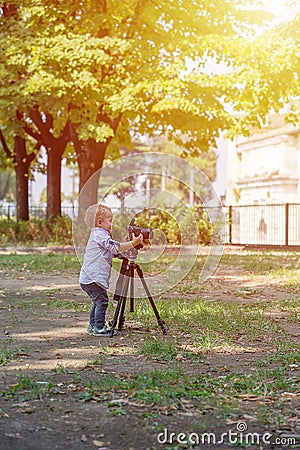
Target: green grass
x,y
40,263
196,328
264,262
8,355
256,263
171,386
159,349
26,389
215,322
52,303
207,325
287,354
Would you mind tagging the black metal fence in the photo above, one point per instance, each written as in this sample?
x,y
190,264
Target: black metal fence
x,y
9,211
259,225
274,225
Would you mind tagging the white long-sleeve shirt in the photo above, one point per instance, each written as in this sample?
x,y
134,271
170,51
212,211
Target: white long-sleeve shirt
x,y
97,261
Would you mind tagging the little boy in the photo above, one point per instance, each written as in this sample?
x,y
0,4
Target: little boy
x,y
97,262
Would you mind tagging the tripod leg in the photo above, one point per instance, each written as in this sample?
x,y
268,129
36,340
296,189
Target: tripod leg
x,y
129,281
131,288
120,296
122,311
120,280
160,321
115,319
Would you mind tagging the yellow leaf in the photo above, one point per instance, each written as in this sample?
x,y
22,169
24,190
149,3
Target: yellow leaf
x,y
100,443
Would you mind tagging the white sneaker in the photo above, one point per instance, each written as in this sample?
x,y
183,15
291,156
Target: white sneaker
x,y
90,330
103,331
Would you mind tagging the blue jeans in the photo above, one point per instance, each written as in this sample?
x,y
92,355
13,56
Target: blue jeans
x,y
99,297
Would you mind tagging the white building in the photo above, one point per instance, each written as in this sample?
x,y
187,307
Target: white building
x,y
265,168
263,185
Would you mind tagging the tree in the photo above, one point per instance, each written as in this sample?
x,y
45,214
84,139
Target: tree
x,y
273,83
22,112
101,67
19,157
55,147
21,161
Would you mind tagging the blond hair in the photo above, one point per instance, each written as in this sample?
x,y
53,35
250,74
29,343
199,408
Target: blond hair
x,y
94,213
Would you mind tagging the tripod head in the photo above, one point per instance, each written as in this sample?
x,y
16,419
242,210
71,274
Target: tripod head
x,y
130,254
135,230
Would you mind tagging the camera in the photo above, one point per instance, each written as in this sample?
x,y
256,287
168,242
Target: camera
x,y
136,231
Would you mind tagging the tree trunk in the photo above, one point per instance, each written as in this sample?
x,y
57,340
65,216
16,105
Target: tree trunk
x,y
55,148
90,161
90,155
22,164
54,183
21,161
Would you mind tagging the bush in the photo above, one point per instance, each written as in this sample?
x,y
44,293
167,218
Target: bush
x,y
194,223
36,232
39,231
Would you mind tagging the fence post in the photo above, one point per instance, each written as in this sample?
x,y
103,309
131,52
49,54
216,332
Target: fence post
x,y
287,224
230,224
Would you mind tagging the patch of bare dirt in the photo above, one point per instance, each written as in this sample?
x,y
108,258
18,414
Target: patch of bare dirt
x,y
52,346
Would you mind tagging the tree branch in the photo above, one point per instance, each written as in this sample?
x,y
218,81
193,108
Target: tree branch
x,y
5,146
33,134
103,117
65,134
49,121
31,157
35,116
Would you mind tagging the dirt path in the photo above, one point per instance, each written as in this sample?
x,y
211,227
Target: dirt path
x,y
50,345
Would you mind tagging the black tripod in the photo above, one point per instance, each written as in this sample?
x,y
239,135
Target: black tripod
x,y
126,277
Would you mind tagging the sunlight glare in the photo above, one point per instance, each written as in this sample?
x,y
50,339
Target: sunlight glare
x,y
275,6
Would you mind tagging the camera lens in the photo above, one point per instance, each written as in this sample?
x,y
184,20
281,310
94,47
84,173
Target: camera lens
x,y
147,233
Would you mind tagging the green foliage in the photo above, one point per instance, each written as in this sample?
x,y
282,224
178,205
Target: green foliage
x,y
120,222
36,232
163,221
197,230
93,62
113,69
197,227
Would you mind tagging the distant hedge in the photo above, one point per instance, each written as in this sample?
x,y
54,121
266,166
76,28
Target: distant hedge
x,y
193,224
36,232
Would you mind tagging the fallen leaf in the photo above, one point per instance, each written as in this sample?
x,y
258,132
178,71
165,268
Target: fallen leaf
x,y
289,394
101,443
13,435
26,410
250,397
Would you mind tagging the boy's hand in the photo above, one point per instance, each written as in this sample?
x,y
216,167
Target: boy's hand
x,y
136,240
